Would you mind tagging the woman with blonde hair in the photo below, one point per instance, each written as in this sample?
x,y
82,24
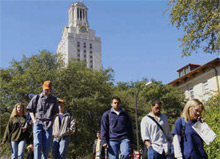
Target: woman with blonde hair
x,y
187,143
16,132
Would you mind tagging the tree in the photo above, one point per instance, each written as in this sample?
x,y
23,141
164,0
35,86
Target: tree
x,y
200,22
22,80
212,117
171,97
86,92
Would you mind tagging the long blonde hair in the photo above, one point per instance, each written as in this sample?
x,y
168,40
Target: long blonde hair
x,y
15,112
189,105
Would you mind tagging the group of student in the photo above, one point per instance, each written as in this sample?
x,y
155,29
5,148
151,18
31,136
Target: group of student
x,y
49,118
117,134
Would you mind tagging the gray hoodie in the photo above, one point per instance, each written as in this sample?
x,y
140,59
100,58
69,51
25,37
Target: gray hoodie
x,y
67,126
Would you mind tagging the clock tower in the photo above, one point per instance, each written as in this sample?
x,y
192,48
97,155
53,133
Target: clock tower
x,y
78,40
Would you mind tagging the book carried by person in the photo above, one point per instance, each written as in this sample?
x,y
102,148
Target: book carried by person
x,y
204,131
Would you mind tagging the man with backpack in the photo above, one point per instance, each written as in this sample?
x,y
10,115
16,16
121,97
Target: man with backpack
x,y
43,108
155,132
116,131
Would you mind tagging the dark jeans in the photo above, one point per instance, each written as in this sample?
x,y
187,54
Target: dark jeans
x,y
152,154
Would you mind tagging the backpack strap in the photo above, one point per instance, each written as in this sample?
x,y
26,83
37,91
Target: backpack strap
x,y
36,102
37,98
157,124
183,128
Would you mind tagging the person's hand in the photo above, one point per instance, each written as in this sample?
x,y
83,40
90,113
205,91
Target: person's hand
x,y
24,128
170,139
202,119
105,145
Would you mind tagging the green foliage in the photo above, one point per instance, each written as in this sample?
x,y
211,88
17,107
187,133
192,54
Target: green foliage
x,y
200,22
212,117
85,91
171,98
22,80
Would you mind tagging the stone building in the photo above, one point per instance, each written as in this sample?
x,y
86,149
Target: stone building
x,y
199,81
78,40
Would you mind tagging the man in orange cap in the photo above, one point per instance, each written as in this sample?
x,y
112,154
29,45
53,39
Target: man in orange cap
x,y
43,107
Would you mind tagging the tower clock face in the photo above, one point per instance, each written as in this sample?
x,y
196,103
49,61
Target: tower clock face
x,y
83,29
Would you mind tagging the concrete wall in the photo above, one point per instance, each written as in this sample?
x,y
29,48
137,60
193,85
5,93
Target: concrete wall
x,y
197,84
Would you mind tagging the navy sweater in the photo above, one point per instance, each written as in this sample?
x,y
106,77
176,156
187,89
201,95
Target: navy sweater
x,y
116,127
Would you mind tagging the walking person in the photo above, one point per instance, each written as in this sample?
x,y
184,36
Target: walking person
x,y
116,130
63,127
15,131
98,150
155,132
187,143
43,109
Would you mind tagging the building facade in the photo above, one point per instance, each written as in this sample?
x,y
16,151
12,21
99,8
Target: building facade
x,y
199,81
79,42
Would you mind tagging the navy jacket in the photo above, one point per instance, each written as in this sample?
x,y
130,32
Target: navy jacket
x,y
116,127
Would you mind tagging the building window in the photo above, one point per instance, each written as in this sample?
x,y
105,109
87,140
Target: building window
x,y
181,73
205,87
84,45
78,59
191,93
84,55
90,46
91,66
187,70
90,52
78,44
80,15
78,50
84,51
91,61
85,60
78,54
90,57
77,13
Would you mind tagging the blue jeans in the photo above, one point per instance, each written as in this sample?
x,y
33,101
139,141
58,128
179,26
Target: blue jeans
x,y
42,141
123,145
152,154
60,147
17,149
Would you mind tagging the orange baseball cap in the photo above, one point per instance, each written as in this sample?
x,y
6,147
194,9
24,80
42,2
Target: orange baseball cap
x,y
47,85
61,101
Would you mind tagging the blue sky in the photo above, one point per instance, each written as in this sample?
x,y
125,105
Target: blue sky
x,y
137,39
